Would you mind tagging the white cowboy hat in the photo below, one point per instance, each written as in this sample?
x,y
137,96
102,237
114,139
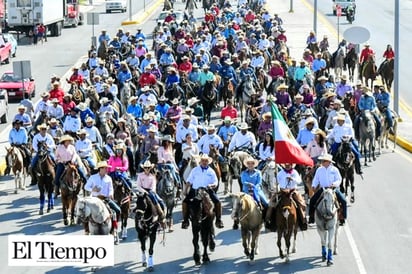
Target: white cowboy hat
x,y
175,101
82,106
227,119
310,120
282,86
45,94
104,100
82,131
168,138
340,117
210,127
266,114
120,146
359,83
55,101
323,78
132,98
66,138
53,121
192,101
298,96
189,109
152,129
89,120
42,126
251,159
344,77
147,164
21,107
162,99
102,164
243,125
146,117
326,157
320,132
186,117
206,157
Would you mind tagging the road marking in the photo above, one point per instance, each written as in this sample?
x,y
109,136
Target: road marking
x,y
355,250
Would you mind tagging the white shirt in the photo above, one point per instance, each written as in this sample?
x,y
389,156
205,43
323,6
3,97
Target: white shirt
x,y
84,148
257,62
339,131
104,183
263,44
145,99
94,135
101,71
41,106
288,181
207,140
56,112
194,121
242,141
182,131
39,138
331,121
85,73
72,124
199,177
188,151
327,177
265,153
107,108
114,90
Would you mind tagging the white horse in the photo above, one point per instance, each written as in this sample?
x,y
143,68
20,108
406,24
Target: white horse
x,y
327,224
95,212
269,182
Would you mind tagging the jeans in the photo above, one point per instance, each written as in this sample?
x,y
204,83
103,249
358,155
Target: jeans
x,y
90,161
261,165
121,176
212,194
155,198
388,115
59,172
35,159
353,145
314,200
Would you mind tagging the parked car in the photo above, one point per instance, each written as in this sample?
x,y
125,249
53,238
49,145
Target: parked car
x,y
120,5
4,106
14,85
8,37
178,14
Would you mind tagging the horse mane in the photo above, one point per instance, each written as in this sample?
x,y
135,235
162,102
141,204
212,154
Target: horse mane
x,y
247,202
98,210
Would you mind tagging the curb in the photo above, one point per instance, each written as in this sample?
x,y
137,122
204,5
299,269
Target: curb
x,y
2,167
145,14
402,142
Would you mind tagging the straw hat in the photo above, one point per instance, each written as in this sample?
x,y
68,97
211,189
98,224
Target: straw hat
x,y
147,164
189,109
120,146
152,129
65,138
251,159
55,101
175,101
53,121
326,157
227,119
318,131
266,114
21,107
104,100
82,106
310,120
210,128
82,131
323,78
206,157
329,94
340,117
42,126
192,101
102,164
243,125
282,86
344,77
45,94
298,96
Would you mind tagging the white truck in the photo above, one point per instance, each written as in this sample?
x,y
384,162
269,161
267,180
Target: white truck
x,y
24,15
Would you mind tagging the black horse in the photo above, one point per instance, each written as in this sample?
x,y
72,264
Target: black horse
x,y
146,226
44,172
208,99
201,212
386,70
345,162
351,61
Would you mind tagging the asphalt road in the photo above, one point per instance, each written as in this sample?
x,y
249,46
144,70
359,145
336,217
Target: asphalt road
x,y
376,239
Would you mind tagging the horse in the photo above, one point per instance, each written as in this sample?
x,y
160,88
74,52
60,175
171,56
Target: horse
x,y
167,127
174,92
208,99
15,160
206,5
339,61
314,48
215,165
383,140
245,93
236,165
247,213
125,94
45,174
262,80
103,124
344,159
327,56
326,219
146,227
252,119
77,93
269,182
95,212
70,185
367,128
201,212
121,195
227,91
386,71
94,98
286,221
102,50
368,71
351,60
190,6
167,191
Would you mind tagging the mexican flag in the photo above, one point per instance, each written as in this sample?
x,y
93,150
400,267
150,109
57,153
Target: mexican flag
x,y
287,149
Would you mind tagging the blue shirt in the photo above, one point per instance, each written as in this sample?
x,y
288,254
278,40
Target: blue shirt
x,y
254,177
22,117
135,110
124,76
171,79
304,137
318,65
367,103
162,109
166,59
215,67
18,137
229,72
224,132
86,113
194,76
384,98
245,72
140,35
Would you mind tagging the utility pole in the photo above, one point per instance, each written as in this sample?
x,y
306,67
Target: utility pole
x,y
397,58
315,17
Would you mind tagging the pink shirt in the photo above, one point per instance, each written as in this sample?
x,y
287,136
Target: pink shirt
x,y
120,163
140,52
164,156
146,181
64,154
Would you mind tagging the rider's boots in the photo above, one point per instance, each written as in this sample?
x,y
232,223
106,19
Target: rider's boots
x,y
185,213
358,167
218,211
160,214
33,176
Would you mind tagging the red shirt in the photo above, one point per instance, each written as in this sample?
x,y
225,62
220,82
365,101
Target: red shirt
x,y
229,111
147,79
249,17
185,67
58,94
68,106
169,18
276,72
189,42
216,10
365,54
76,78
282,37
389,54
209,18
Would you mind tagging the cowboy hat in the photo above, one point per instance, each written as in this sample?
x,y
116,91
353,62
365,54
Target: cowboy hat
x,y
53,121
152,129
266,114
42,126
120,146
359,83
146,117
20,122
82,106
102,164
104,100
89,120
272,98
162,99
323,78
192,101
55,101
285,164
227,61
82,131
298,96
344,77
227,119
307,112
310,120
175,101
189,109
243,126
146,88
206,157
251,159
329,94
186,117
147,164
326,157
318,131
56,83
340,117
168,138
282,86
45,94
210,127
110,79
21,107
65,138
133,98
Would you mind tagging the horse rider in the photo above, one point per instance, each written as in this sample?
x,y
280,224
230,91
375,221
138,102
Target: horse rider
x,y
367,103
146,96
297,107
55,130
243,139
174,112
226,131
317,146
305,135
209,140
366,53
84,148
147,181
343,88
119,165
383,101
388,54
18,138
202,176
333,113
301,73
41,137
288,179
28,104
55,110
93,134
340,132
266,150
23,117
265,125
150,143
42,105
326,176
319,64
166,159
251,179
72,123
324,44
246,72
101,185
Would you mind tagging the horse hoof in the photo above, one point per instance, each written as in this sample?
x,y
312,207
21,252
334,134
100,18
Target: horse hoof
x,y
247,253
287,260
257,252
41,212
352,199
144,264
329,263
294,250
150,269
335,252
198,263
94,269
323,258
206,260
15,192
66,222
251,262
48,210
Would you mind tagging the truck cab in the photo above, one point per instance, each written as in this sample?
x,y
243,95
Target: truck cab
x,y
343,4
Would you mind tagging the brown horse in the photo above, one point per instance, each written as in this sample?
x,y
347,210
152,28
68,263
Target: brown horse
x,y
286,221
368,71
247,213
70,186
15,160
122,199
215,165
227,91
386,71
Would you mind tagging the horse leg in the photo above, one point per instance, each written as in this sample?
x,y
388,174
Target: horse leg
x,y
42,198
152,238
335,239
287,240
212,244
295,232
279,243
330,242
72,208
142,239
125,215
65,207
16,184
254,244
205,231
245,241
323,235
195,241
